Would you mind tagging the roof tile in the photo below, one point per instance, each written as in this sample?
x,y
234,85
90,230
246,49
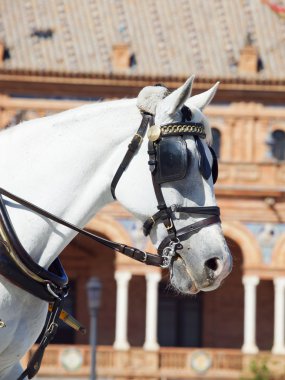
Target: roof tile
x,y
168,38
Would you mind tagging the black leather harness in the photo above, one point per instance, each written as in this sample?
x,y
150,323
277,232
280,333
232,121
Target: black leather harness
x,y
168,145
52,285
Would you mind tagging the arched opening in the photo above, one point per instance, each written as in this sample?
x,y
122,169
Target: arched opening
x,y
223,309
179,318
247,242
278,254
213,319
82,259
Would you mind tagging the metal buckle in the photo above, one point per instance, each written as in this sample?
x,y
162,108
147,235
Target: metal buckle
x,y
140,138
171,225
51,291
145,257
168,253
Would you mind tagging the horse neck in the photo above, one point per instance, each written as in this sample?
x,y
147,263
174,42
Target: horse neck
x,y
64,164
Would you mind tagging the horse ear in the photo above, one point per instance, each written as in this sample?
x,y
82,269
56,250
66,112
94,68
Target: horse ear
x,y
202,100
178,97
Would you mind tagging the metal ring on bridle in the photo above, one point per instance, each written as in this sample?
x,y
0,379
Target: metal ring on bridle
x,y
169,252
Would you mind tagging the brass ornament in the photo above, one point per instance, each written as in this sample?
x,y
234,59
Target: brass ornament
x,y
175,129
153,133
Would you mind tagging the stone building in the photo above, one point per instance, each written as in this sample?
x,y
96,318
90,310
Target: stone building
x,y
59,54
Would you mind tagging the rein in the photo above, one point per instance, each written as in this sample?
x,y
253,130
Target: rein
x,y
134,253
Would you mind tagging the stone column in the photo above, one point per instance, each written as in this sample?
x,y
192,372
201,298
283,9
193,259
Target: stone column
x,y
249,345
121,334
279,316
152,279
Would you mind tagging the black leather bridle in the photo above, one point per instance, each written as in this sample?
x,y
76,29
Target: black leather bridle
x,y
166,214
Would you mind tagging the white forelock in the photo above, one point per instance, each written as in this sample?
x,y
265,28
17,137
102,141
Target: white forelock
x,y
149,97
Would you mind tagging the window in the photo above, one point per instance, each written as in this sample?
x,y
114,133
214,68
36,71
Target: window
x,y
278,144
179,319
216,141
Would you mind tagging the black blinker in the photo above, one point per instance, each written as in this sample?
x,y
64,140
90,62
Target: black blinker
x,y
204,166
215,166
172,159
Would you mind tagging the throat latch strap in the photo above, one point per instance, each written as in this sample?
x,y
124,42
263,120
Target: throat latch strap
x,y
132,149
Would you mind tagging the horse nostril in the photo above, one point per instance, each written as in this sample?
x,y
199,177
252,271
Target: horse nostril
x,y
213,264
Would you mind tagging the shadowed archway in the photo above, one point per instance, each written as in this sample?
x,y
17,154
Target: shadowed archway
x,y
223,309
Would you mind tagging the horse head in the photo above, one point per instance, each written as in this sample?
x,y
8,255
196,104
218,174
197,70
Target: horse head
x,y
181,160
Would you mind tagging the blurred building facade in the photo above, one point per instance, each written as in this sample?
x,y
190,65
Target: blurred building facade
x,y
60,54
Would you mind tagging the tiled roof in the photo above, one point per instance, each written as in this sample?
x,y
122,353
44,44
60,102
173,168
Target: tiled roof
x,y
167,37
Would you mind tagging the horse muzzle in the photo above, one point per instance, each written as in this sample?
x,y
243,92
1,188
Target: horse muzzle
x,y
196,274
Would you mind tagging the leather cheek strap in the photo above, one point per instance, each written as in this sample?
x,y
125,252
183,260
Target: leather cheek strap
x,y
184,232
132,149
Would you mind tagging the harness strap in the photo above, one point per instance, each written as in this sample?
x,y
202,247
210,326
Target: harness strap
x,y
134,253
171,242
50,331
204,210
192,228
164,212
132,149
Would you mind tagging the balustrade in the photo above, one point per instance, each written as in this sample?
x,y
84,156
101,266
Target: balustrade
x,y
136,363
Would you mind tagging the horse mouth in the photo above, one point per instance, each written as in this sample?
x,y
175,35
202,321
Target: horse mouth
x,y
183,280
188,286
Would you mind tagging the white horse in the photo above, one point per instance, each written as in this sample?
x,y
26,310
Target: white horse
x,y
65,163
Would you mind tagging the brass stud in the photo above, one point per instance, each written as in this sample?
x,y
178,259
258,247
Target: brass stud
x,y
154,133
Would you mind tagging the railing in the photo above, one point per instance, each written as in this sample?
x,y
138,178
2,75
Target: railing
x,y
166,364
